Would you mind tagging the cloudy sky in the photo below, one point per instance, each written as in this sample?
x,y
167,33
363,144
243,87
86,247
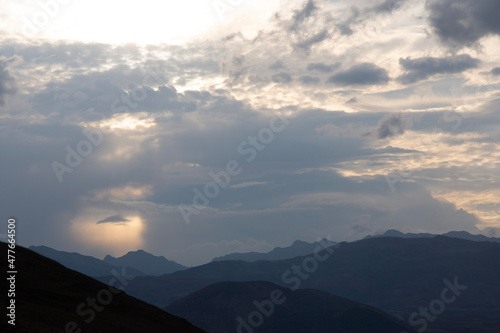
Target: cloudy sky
x,y
196,128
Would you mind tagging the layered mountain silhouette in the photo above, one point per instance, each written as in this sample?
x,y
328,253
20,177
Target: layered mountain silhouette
x,y
87,265
145,262
452,234
246,307
53,298
397,275
137,263
298,248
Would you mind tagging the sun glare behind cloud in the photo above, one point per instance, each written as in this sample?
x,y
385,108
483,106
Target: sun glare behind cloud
x,y
114,236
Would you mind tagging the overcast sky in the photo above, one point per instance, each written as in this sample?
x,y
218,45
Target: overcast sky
x,y
192,129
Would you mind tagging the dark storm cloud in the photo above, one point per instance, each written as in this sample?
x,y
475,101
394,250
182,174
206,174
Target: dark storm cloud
x,y
113,219
461,23
362,74
423,68
323,68
7,82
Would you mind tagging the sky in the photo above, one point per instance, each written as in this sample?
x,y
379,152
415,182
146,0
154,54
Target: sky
x,y
192,129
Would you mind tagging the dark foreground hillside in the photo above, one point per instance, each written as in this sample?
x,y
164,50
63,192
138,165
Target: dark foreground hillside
x,y
53,298
264,307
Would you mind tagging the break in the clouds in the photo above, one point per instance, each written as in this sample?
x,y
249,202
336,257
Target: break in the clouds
x,y
325,132
423,68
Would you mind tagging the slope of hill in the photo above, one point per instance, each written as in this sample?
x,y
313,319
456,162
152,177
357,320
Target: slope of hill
x,y
145,262
397,275
298,248
53,298
84,264
266,307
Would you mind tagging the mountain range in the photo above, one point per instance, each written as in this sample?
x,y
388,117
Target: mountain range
x,y
137,263
396,275
298,248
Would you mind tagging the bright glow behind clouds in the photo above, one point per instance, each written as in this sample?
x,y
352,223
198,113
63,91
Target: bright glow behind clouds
x,y
143,22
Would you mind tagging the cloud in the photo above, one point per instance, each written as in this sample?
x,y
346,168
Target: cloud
x,y
322,68
460,23
388,6
423,68
281,77
315,39
307,79
495,71
301,15
114,219
360,15
362,74
392,125
7,82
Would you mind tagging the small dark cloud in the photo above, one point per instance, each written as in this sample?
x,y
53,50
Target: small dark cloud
x,y
278,64
362,74
114,219
392,125
281,77
321,67
315,39
301,15
352,100
7,82
360,15
495,71
307,79
423,68
460,23
388,6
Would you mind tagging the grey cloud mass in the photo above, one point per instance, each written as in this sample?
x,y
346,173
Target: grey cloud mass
x,y
323,68
392,125
461,23
495,71
301,15
281,77
423,68
362,74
